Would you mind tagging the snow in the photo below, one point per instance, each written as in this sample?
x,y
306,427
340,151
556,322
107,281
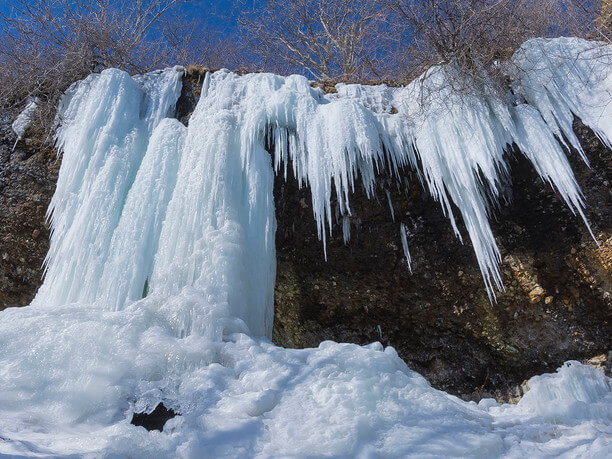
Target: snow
x,y
577,400
588,391
243,397
24,119
160,277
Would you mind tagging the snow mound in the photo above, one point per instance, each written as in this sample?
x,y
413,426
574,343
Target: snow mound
x,y
160,276
73,391
576,392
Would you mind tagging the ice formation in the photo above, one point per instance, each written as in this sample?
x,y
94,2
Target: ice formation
x,y
404,238
24,119
112,158
160,277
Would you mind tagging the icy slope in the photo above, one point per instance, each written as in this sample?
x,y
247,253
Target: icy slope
x,y
161,271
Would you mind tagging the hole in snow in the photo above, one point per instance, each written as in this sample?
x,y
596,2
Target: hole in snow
x,y
154,420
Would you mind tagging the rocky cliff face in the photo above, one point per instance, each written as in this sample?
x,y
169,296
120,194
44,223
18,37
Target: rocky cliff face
x,y
27,182
556,306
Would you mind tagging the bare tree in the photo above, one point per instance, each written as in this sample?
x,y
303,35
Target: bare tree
x,y
475,34
327,38
209,48
45,45
604,22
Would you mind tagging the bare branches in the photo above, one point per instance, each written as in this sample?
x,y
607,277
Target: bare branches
x,y
489,30
603,23
45,45
476,35
327,38
400,39
48,44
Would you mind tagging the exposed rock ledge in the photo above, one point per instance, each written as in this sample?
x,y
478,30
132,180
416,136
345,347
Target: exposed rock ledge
x,y
557,305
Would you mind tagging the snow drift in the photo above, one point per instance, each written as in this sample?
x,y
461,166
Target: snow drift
x,y
160,277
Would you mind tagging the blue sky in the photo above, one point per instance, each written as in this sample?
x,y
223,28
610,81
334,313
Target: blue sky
x,y
218,14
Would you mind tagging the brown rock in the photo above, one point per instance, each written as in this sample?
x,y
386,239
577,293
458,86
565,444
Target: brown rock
x,y
442,323
536,294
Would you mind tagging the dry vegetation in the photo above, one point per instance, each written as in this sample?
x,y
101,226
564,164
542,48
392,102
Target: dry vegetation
x,y
329,39
45,45
474,34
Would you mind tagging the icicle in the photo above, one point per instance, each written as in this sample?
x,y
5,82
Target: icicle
x,y
405,246
213,188
390,205
563,78
346,228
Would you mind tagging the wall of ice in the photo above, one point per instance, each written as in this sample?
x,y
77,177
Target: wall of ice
x,y
160,277
106,125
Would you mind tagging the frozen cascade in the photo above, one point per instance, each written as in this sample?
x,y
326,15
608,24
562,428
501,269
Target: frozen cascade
x,y
184,217
135,240
218,236
457,146
106,123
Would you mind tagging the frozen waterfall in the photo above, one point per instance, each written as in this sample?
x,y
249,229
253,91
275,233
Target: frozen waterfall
x,y
160,277
195,205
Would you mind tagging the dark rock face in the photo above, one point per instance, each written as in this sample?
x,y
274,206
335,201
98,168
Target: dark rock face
x,y
27,182
557,304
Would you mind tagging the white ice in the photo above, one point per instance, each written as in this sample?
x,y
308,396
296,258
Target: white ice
x,y
24,119
74,388
404,239
160,276
106,124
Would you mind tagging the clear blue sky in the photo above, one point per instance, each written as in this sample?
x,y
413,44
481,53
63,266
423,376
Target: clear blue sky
x,y
218,14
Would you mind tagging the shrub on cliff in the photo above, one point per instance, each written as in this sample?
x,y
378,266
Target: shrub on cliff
x,y
46,45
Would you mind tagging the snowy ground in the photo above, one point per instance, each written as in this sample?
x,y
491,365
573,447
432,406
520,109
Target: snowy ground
x,y
73,388
161,270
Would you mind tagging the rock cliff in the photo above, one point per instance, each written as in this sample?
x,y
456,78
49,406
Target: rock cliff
x,y
27,182
556,306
